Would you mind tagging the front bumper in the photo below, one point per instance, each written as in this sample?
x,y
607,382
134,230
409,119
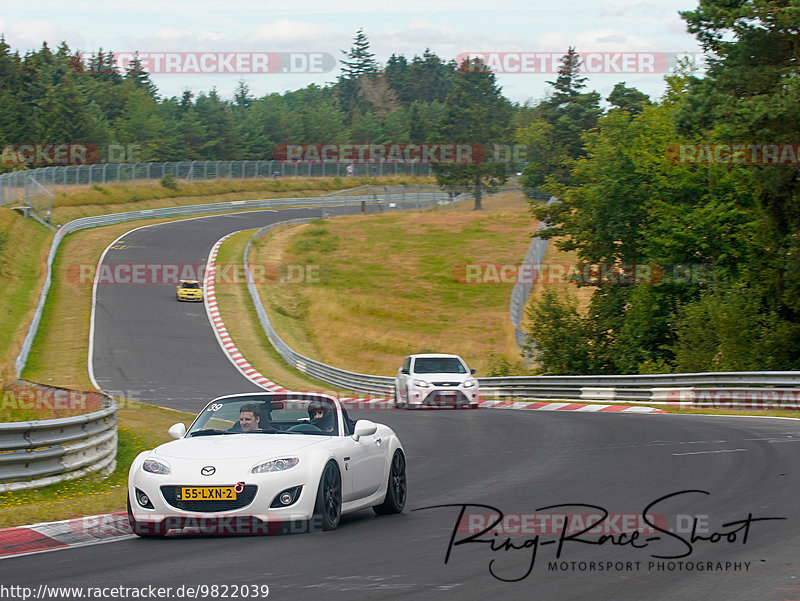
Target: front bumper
x,y
182,296
250,514
444,397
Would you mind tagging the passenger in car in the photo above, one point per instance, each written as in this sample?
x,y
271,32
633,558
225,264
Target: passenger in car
x,y
322,417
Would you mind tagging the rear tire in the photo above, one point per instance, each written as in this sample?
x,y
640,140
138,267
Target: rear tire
x,y
145,529
328,508
396,488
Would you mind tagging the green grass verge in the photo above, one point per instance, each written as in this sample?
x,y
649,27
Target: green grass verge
x,y
24,244
387,285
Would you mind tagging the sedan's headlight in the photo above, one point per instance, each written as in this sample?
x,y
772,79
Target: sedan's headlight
x,y
276,465
470,383
421,384
155,467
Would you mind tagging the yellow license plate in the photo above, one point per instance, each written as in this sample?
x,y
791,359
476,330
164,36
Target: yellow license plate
x,y
207,493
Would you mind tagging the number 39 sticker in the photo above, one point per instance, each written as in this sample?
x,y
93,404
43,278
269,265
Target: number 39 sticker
x,y
214,407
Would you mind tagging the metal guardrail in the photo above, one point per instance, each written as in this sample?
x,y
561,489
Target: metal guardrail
x,y
519,294
42,452
16,185
760,378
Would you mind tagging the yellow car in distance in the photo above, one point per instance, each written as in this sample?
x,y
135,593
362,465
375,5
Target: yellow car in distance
x,y
190,290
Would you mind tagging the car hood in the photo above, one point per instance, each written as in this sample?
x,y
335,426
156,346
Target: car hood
x,y
236,446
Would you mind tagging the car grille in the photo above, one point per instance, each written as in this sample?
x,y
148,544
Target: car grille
x,y
456,384
443,398
243,499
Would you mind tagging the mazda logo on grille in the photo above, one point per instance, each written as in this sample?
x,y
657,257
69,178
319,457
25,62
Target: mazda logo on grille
x,y
208,470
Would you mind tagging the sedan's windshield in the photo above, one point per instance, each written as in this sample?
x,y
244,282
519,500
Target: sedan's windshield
x,y
438,365
263,414
193,285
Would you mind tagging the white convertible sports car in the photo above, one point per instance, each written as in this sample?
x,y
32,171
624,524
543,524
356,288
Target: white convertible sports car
x,y
260,462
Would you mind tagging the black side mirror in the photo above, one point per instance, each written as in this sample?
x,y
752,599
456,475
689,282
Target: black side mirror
x,y
472,371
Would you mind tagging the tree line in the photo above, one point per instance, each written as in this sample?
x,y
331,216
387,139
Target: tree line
x,y
58,97
687,186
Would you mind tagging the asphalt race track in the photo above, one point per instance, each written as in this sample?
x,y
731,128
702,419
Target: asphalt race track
x,y
517,462
149,347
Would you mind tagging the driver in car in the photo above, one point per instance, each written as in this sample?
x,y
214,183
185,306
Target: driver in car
x,y
249,417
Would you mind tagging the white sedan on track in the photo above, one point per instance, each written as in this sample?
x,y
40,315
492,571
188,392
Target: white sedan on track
x,y
435,380
265,462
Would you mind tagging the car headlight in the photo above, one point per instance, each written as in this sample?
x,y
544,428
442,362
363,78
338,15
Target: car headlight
x,y
155,467
421,384
276,465
470,383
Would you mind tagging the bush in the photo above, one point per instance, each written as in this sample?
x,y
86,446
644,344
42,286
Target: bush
x,y
560,336
729,329
169,181
499,367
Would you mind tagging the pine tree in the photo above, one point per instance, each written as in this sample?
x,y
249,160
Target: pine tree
x,y
361,60
476,113
242,97
628,99
569,83
565,117
135,73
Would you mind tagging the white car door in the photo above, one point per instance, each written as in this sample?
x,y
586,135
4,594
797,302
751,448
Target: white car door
x,y
366,465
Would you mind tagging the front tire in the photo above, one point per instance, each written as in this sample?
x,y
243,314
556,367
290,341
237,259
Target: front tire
x,y
328,508
397,403
397,487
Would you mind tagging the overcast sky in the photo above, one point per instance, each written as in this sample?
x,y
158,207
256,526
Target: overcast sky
x,y
634,40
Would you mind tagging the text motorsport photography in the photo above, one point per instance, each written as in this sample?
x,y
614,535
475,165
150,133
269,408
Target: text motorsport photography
x,y
514,541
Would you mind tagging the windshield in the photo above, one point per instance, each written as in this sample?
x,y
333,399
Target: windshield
x,y
439,365
189,284
268,415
